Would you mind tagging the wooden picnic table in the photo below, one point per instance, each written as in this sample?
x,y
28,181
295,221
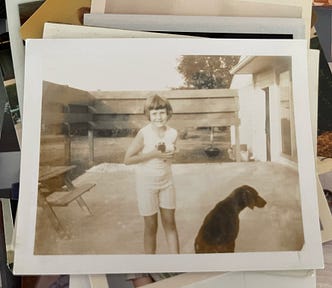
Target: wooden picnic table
x,y
49,172
60,195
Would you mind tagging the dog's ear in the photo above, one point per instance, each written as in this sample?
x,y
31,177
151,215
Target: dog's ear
x,y
249,196
249,199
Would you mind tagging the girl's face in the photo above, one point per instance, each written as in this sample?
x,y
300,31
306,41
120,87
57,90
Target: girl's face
x,y
158,117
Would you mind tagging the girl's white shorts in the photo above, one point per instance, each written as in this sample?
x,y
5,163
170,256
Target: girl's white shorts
x,y
151,197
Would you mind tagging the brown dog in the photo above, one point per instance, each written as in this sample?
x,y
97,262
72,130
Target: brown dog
x,y
221,225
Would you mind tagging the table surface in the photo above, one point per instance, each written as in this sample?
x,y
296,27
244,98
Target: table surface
x,y
48,172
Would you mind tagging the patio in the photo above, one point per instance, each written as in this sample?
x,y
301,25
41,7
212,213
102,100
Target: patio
x,y
116,227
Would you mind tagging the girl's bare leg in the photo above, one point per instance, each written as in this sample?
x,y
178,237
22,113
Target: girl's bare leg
x,y
168,221
150,233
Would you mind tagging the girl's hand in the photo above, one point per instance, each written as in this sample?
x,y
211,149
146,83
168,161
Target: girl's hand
x,y
162,155
167,155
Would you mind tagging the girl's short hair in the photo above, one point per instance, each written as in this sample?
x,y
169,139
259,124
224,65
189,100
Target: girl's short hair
x,y
157,102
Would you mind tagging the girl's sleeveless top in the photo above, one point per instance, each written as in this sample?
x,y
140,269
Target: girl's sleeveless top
x,y
156,167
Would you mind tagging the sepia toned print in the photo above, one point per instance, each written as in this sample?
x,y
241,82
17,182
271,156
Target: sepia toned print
x,y
236,143
206,121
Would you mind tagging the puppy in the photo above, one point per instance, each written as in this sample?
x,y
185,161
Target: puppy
x,y
221,225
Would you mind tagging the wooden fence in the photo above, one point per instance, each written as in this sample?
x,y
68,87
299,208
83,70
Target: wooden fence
x,y
67,110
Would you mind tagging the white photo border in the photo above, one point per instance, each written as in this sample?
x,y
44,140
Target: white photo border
x,y
310,257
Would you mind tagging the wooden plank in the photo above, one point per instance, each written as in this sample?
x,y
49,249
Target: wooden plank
x,y
54,129
63,198
122,106
64,94
181,122
72,129
77,117
169,94
56,100
192,123
176,117
196,105
51,118
55,150
76,108
209,105
52,107
48,172
91,147
54,155
53,139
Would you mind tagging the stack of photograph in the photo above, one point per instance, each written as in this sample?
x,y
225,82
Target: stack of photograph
x,y
171,142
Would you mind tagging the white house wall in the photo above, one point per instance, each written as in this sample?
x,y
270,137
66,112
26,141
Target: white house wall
x,y
259,137
252,115
275,128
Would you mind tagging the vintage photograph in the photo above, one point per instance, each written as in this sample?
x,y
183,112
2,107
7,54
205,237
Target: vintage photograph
x,y
113,12
173,148
322,43
211,8
9,122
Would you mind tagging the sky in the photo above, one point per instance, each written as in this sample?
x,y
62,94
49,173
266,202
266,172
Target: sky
x,y
106,67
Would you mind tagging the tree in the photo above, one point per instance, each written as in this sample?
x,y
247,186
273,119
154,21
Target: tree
x,y
207,72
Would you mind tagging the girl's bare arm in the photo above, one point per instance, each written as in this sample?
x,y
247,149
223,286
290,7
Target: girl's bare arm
x,y
133,155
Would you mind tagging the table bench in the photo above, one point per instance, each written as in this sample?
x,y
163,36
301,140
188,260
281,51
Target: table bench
x,y
60,195
65,197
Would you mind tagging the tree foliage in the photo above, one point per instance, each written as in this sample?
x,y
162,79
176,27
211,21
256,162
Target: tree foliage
x,y
207,72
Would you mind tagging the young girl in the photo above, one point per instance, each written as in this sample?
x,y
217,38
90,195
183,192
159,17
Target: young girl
x,y
153,149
